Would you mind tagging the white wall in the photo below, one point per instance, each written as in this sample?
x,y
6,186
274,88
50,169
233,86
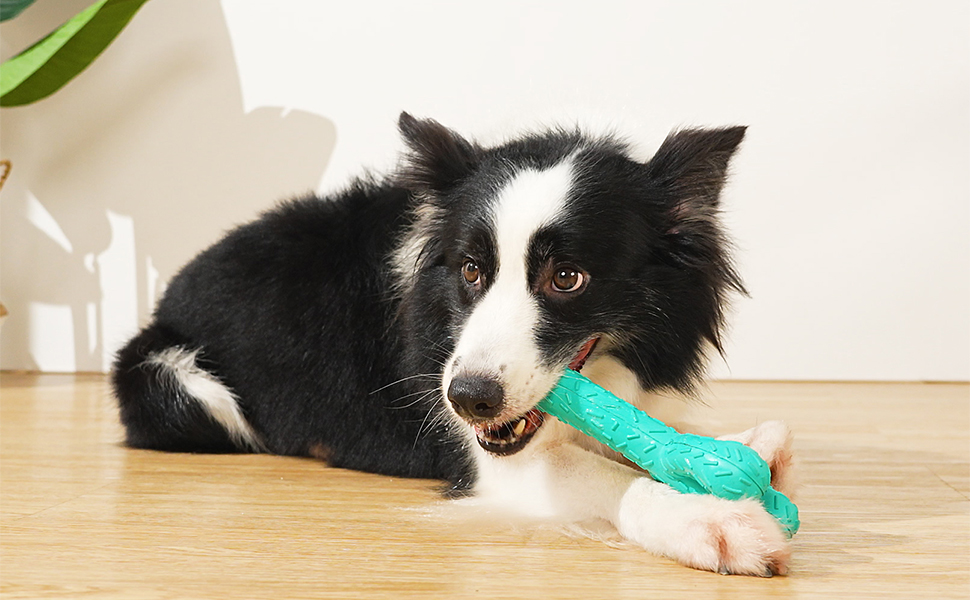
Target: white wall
x,y
127,172
850,200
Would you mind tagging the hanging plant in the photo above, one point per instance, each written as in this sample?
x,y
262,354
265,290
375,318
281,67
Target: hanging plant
x,y
48,65
11,8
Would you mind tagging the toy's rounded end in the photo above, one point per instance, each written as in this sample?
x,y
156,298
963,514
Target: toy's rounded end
x,y
724,468
780,507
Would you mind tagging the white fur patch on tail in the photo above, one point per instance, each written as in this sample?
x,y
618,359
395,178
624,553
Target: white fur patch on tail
x,y
207,390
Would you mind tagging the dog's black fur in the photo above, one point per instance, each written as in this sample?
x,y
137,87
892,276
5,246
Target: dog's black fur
x,y
334,349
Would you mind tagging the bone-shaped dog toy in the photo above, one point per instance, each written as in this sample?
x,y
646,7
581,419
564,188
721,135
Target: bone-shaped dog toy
x,y
688,463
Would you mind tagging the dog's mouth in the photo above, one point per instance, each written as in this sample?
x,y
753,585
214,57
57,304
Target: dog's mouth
x,y
507,438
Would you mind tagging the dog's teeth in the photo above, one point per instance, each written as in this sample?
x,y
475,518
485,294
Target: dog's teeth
x,y
520,427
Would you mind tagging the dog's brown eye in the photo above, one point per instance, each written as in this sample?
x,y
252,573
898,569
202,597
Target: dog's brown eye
x,y
567,279
471,272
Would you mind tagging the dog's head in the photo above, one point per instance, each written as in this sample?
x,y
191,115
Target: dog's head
x,y
545,252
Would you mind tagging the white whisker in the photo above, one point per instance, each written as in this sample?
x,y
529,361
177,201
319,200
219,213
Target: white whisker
x,y
403,379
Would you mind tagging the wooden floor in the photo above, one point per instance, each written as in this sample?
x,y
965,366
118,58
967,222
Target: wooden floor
x,y
885,512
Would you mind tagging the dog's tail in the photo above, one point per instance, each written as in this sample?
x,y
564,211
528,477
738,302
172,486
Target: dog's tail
x,y
168,401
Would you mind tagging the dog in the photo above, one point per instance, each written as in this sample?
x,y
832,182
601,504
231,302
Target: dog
x,y
410,324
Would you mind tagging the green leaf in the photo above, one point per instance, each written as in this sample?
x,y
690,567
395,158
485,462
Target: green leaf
x,y
11,8
45,67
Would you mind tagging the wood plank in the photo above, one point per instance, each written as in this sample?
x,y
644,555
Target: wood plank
x,y
885,511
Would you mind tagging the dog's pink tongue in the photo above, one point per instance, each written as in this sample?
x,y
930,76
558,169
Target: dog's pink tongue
x,y
584,353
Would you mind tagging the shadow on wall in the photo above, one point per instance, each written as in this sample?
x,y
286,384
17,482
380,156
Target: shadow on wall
x,y
123,175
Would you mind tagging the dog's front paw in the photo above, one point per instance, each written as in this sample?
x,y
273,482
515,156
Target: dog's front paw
x,y
704,532
772,441
735,538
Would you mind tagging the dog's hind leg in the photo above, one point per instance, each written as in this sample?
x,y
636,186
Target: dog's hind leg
x,y
169,402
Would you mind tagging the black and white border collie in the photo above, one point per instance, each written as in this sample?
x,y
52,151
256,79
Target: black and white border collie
x,y
409,326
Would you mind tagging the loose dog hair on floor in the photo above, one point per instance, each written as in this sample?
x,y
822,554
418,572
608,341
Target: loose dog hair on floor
x,y
409,326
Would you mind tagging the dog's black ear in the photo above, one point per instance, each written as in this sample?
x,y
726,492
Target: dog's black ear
x,y
688,172
691,166
438,158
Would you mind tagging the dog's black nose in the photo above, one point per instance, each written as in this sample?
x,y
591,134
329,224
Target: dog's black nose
x,y
476,396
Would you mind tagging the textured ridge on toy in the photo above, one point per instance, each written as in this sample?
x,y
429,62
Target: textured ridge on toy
x,y
688,463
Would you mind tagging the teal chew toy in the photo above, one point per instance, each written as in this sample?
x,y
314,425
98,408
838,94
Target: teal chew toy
x,y
691,464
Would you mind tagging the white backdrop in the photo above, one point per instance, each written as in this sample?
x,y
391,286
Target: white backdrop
x,y
850,199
